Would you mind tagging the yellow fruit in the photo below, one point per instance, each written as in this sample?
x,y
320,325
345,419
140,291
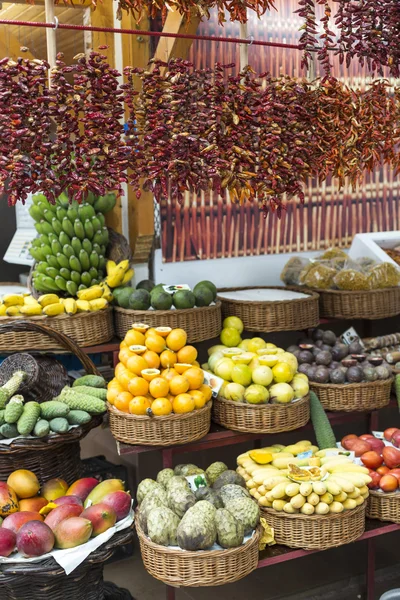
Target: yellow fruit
x,y
44,300
168,358
138,386
30,300
230,337
107,293
183,403
124,355
125,378
195,376
234,322
128,276
134,337
256,344
159,387
122,401
163,331
155,343
31,309
116,277
120,368
182,367
52,310
113,392
196,363
206,391
282,373
137,349
136,364
82,306
199,399
141,327
169,374
13,300
176,339
178,385
150,331
96,291
139,405
152,359
268,360
3,309
150,374
161,407
98,304
110,266
70,306
187,354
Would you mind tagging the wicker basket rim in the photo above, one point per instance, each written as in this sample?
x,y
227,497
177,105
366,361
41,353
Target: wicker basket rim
x,y
171,417
82,315
161,313
352,293
384,495
299,516
198,553
352,386
312,294
266,406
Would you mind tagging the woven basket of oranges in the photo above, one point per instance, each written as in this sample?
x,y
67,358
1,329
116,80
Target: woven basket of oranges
x,y
158,396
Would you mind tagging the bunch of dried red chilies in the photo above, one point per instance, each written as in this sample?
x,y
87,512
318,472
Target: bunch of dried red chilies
x,y
188,130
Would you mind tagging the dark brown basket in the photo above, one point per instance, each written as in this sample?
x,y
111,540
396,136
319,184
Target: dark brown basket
x,y
283,315
371,304
118,247
316,532
267,418
200,324
198,569
384,506
352,397
46,580
170,430
55,455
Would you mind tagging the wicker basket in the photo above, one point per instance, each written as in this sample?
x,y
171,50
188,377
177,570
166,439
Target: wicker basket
x,y
198,569
384,506
46,580
55,455
371,304
316,532
86,329
283,315
267,418
352,397
170,430
200,324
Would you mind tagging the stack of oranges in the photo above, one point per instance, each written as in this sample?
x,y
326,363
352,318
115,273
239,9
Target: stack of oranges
x,y
158,374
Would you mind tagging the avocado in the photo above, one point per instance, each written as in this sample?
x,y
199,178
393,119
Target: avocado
x,y
184,299
161,301
204,296
123,296
146,284
117,291
139,300
209,285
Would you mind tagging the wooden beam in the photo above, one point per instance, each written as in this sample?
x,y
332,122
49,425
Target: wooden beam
x,y
11,46
168,48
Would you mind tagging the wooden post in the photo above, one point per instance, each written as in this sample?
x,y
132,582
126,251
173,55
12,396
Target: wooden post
x,y
50,33
244,48
168,48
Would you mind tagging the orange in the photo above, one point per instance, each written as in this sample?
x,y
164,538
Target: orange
x,y
195,376
120,368
187,354
183,403
168,358
123,344
159,387
199,398
142,327
155,343
196,363
182,367
136,364
125,378
122,401
137,349
176,339
161,407
124,355
139,405
113,392
152,359
168,374
206,391
150,331
138,386
134,338
178,385
149,374
163,331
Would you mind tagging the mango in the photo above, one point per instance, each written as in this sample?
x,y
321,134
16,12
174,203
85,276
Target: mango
x,y
60,513
24,483
72,532
102,489
32,504
121,503
60,502
34,539
82,487
15,521
54,488
101,516
8,500
8,540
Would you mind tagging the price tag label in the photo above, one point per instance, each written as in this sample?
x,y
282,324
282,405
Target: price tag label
x,y
171,289
214,382
351,335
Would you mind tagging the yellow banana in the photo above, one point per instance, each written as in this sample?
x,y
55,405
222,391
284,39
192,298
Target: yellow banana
x,y
82,306
98,304
96,291
116,277
128,276
52,310
30,301
110,266
70,306
3,309
31,309
107,293
124,264
13,300
47,299
13,311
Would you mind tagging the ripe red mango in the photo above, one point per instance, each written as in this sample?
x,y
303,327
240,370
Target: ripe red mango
x,y
72,532
34,539
15,521
101,516
8,500
54,488
391,456
34,504
8,540
61,513
82,487
120,502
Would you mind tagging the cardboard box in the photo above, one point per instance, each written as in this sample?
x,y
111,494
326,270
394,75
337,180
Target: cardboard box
x,y
372,245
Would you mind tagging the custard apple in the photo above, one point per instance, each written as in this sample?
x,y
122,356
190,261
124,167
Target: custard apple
x,y
231,491
164,476
246,511
230,531
144,488
214,471
196,531
177,482
147,505
180,500
187,470
162,525
228,477
205,508
206,493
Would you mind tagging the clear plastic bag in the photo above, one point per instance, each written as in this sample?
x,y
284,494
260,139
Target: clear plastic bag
x,y
320,276
384,275
333,253
351,279
291,271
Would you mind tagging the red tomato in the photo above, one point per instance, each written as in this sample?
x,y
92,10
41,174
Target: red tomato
x,y
371,459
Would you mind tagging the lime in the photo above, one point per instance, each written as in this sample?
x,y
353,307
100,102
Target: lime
x,y
207,284
241,374
234,322
282,373
230,337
